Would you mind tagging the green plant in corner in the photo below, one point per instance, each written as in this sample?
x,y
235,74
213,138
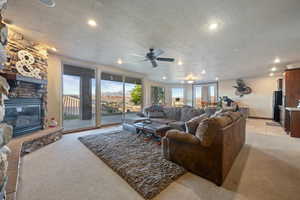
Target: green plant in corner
x,y
136,95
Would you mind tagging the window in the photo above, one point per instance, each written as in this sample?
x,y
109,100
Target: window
x,y
119,98
157,95
177,96
133,96
205,94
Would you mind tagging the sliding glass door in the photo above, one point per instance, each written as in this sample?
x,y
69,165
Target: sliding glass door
x,y
133,96
112,98
78,98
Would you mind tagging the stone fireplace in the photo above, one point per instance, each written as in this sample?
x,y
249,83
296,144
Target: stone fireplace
x,y
26,106
24,114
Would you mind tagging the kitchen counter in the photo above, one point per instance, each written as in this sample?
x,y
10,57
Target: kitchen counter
x,y
292,109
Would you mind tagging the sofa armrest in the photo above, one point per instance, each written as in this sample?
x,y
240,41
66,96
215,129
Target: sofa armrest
x,y
182,137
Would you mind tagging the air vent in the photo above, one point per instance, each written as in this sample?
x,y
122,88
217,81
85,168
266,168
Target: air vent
x,y
48,3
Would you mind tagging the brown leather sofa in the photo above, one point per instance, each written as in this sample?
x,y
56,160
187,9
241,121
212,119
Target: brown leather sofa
x,y
210,160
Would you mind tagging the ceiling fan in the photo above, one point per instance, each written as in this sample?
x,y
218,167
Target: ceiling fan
x,y
153,57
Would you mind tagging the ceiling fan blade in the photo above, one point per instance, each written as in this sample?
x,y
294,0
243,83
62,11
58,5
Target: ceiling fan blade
x,y
166,59
157,52
154,64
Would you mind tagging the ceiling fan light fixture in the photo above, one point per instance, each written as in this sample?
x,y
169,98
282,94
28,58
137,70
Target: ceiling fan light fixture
x,y
120,61
213,26
277,60
92,23
48,3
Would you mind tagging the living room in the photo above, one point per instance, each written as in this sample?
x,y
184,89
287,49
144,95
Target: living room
x,y
131,100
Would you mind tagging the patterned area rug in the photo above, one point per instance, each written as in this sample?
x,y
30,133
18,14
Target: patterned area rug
x,y
137,161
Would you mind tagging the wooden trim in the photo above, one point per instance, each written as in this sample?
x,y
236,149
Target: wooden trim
x,y
265,118
89,128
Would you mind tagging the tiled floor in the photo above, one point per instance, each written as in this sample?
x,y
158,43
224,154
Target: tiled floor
x,y
267,168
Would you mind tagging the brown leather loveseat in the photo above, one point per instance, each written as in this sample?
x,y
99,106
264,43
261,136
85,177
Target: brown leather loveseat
x,y
209,153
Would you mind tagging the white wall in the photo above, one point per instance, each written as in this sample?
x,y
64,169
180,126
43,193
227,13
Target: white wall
x,y
54,88
259,101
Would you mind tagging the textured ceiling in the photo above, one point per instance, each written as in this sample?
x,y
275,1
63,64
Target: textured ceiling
x,y
252,33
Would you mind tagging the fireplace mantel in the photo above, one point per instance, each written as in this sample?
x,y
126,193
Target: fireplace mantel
x,y
16,77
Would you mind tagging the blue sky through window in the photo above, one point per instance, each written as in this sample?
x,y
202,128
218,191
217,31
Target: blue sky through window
x,y
71,85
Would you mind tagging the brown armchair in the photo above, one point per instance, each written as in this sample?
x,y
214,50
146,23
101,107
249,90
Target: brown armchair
x,y
211,160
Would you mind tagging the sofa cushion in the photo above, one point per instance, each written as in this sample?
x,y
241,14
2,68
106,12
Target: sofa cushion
x,y
233,115
192,124
178,125
156,114
206,131
223,120
152,108
172,113
208,128
188,112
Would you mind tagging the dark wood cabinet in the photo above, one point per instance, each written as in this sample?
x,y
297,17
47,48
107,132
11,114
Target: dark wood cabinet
x,y
292,97
292,87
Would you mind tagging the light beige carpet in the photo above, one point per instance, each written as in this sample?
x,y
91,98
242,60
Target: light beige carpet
x,y
268,168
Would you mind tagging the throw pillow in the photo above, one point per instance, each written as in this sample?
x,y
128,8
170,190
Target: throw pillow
x,y
192,124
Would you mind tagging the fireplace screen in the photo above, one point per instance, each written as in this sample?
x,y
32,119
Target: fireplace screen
x,y
25,115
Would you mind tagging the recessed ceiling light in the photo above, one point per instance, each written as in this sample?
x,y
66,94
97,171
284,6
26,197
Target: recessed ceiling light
x,y
271,74
190,82
277,60
48,3
203,72
92,23
213,26
179,63
217,78
273,69
164,78
120,62
53,49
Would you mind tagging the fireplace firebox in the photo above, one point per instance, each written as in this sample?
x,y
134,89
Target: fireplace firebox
x,y
24,114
